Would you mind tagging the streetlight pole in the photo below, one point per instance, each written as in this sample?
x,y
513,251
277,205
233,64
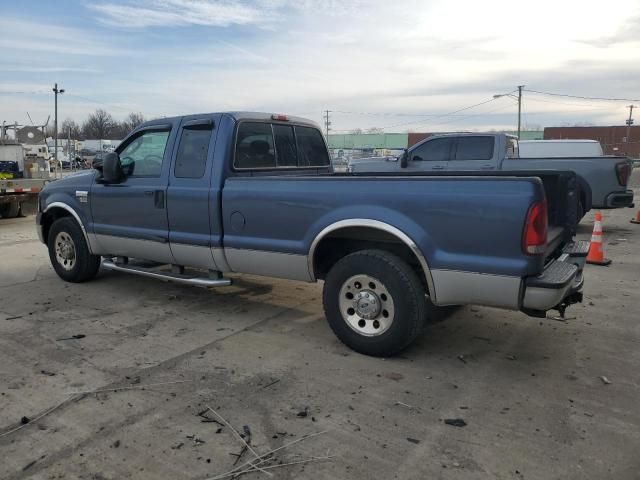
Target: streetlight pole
x,y
56,91
629,122
520,87
519,99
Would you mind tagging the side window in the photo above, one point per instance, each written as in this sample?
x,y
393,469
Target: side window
x,y
312,151
285,146
474,148
436,150
143,156
254,146
192,152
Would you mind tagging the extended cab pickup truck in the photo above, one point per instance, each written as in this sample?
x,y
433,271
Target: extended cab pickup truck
x,y
602,179
193,198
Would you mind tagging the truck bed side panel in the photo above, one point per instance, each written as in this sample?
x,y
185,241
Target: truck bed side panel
x,y
460,224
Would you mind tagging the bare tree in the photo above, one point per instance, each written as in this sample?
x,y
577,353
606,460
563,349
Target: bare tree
x,y
356,131
70,128
375,130
133,120
99,125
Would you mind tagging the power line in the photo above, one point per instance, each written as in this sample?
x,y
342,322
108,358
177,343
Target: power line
x,y
583,97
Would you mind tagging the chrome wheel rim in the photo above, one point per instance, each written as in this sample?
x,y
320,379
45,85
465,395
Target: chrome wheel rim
x,y
366,305
65,251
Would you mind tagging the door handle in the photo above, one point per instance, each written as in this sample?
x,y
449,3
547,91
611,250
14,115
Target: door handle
x,y
148,192
438,167
487,167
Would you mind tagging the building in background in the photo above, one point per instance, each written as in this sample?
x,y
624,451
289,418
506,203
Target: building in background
x,y
613,139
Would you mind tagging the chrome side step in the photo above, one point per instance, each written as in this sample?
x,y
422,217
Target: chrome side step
x,y
172,277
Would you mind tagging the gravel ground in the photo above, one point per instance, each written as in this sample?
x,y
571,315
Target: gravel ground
x,y
540,398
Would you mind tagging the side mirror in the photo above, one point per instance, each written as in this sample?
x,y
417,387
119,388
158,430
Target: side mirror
x,y
404,159
111,168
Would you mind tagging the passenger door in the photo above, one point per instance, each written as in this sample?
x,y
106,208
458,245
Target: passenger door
x,y
129,218
431,155
474,152
190,201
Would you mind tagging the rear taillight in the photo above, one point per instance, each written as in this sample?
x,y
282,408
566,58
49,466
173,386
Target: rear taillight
x,y
534,236
623,171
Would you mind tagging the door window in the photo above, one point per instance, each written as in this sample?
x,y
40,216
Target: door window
x,y
474,148
436,150
191,159
143,156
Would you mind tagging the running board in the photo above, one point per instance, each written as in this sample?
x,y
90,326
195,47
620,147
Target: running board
x,y
172,277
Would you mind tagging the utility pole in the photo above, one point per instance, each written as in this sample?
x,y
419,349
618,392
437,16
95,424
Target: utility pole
x,y
629,122
327,122
520,87
56,91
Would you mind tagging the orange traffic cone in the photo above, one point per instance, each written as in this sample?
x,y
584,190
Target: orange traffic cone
x,y
596,253
637,219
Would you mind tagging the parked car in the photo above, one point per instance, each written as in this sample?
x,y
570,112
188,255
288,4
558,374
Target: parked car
x,y
602,180
254,193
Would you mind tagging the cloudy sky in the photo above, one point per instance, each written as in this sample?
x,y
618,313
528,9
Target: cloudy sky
x,y
401,65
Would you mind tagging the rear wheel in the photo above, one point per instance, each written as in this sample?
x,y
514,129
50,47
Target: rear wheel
x,y
374,302
69,252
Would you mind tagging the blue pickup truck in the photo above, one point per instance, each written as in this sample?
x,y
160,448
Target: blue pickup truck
x,y
192,198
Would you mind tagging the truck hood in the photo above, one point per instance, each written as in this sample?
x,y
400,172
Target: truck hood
x,y
79,179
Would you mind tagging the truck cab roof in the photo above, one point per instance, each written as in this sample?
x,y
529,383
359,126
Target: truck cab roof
x,y
238,116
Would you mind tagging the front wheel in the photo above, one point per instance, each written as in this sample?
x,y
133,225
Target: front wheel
x,y
374,302
69,253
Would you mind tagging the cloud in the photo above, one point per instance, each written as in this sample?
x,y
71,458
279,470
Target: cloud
x,y
170,13
38,37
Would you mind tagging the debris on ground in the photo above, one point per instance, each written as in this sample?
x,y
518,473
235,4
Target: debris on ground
x,y
394,376
177,446
24,420
72,337
462,358
303,413
605,380
266,461
510,357
413,440
402,404
270,384
455,422
116,444
196,441
47,373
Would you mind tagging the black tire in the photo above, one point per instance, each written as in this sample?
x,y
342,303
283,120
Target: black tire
x,y
85,266
579,211
10,210
408,302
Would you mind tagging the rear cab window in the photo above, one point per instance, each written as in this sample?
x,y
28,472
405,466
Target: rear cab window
x,y
265,146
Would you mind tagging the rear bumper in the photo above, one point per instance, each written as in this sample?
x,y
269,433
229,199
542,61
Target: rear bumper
x,y
619,199
560,284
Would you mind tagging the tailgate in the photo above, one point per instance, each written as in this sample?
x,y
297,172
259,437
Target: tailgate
x,y
561,191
